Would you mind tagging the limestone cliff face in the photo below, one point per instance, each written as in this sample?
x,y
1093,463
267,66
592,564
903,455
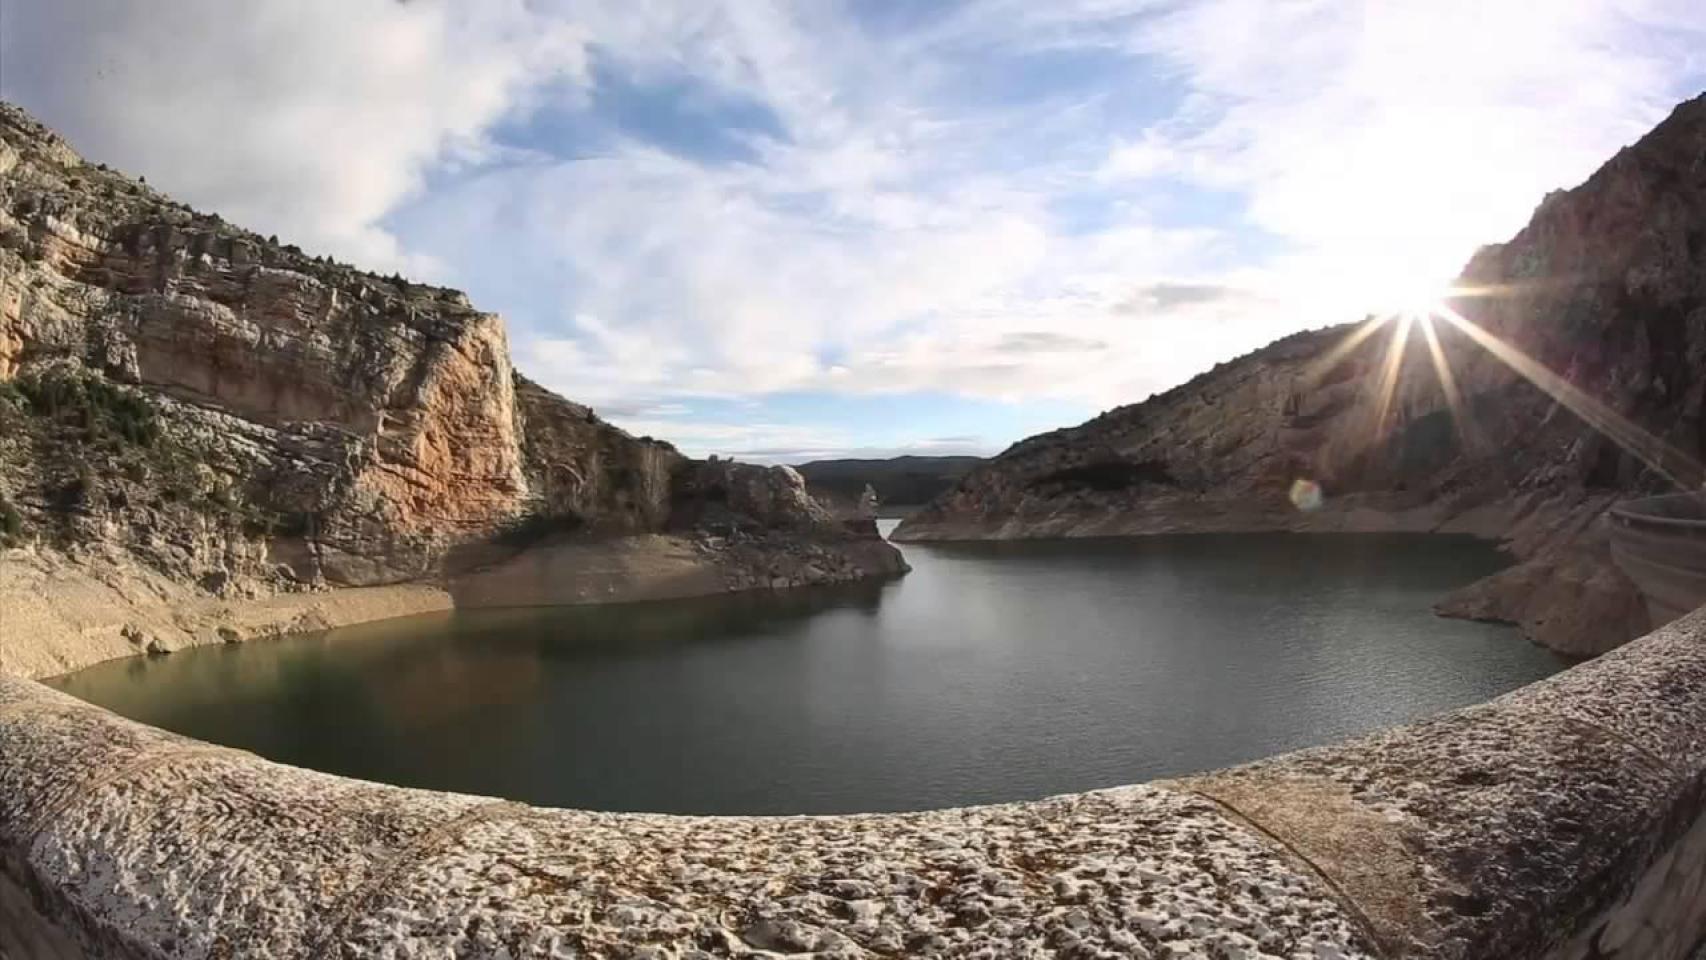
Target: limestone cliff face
x,y
1606,287
231,411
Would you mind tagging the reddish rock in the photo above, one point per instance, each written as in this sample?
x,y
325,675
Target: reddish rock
x,y
183,394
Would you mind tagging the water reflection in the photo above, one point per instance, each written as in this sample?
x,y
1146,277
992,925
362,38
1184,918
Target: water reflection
x,y
993,671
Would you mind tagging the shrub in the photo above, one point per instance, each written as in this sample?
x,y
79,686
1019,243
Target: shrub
x,y
11,522
92,405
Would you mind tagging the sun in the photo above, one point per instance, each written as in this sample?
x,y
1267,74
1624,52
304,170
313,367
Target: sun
x,y
1393,287
1416,299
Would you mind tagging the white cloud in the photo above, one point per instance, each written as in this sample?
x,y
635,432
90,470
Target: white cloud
x,y
309,118
761,441
1386,140
1147,156
904,229
1375,148
755,441
696,281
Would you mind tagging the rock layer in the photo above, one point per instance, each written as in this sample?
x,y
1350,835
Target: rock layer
x,y
181,397
1605,289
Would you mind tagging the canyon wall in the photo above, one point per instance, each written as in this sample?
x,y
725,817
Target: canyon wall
x,y
195,420
1605,289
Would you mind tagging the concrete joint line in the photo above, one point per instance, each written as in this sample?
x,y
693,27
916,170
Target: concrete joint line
x,y
89,786
38,708
351,904
1376,943
1646,753
1356,912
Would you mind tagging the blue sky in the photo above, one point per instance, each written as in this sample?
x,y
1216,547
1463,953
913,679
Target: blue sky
x,y
788,229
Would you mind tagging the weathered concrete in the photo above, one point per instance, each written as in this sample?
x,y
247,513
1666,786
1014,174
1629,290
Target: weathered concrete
x,y
1505,829
1562,821
179,849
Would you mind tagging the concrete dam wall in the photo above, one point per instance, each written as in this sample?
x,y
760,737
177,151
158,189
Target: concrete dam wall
x,y
1564,820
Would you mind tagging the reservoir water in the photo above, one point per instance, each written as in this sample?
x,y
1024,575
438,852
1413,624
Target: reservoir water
x,y
991,672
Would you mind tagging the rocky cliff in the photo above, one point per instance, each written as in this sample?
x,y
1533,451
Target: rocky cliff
x,y
1605,289
191,412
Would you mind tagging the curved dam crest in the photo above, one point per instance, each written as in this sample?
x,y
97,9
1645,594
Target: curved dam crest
x,y
1559,821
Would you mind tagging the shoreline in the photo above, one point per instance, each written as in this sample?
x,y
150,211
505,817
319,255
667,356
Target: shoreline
x,y
63,615
1561,591
89,618
59,615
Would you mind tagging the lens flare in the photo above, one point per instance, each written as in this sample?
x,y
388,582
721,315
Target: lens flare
x,y
1671,463
1305,494
1448,385
1389,372
1342,349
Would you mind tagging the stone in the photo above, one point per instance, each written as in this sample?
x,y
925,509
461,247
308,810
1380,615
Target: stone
x,y
1447,832
136,635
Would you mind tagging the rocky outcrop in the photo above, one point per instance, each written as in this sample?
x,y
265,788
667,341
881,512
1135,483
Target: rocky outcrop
x,y
1605,288
728,526
181,397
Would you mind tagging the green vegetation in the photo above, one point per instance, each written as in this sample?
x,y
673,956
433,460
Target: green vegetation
x,y
100,411
11,523
98,446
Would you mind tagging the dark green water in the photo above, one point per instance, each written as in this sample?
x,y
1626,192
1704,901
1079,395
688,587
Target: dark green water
x,y
991,672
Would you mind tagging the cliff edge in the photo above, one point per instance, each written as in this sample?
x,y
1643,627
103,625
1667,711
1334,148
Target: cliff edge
x,y
205,433
1605,288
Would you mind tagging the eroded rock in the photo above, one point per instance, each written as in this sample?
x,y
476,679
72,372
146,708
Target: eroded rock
x,y
179,395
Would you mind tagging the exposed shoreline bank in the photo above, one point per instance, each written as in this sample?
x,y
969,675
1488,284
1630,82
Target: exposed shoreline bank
x,y
62,616
58,616
1562,590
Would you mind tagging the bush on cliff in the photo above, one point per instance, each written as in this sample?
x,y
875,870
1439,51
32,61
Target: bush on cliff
x,y
99,409
11,523
89,447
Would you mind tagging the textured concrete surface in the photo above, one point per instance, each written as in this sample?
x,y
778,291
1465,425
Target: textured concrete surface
x,y
1508,828
1561,821
180,849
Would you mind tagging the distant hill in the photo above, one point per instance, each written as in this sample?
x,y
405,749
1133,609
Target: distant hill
x,y
899,481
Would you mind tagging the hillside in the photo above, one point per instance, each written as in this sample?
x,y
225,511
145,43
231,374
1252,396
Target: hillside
x,y
908,481
1605,287
204,432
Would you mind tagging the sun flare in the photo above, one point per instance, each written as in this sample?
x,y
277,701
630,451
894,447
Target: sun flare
x,y
1426,306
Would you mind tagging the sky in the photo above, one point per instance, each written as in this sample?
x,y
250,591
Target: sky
x,y
784,230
